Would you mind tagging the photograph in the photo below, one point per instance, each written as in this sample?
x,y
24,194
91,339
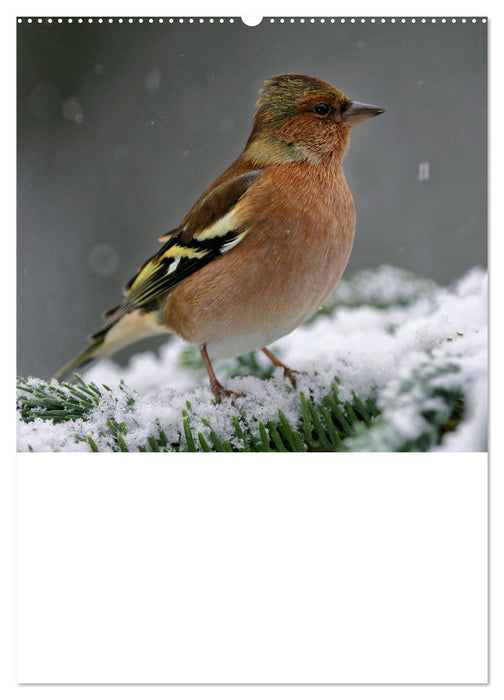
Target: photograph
x,y
239,237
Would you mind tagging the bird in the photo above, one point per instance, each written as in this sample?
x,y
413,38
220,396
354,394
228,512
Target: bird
x,y
262,248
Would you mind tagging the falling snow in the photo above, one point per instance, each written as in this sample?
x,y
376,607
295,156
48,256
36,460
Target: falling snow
x,y
423,171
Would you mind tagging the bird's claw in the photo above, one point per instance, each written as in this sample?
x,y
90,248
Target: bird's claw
x,y
290,375
221,392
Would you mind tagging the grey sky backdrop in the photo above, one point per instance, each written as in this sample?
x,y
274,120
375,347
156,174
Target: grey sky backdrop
x,y
122,126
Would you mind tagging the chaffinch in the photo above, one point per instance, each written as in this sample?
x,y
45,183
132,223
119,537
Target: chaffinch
x,y
263,247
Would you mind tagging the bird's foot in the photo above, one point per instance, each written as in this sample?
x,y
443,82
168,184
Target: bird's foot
x,y
220,392
290,374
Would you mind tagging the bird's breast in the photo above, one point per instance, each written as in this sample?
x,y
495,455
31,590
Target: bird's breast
x,y
301,227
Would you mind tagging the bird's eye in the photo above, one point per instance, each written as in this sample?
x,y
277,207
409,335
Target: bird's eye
x,y
323,109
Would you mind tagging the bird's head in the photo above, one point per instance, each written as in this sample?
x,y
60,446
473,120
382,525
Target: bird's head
x,y
300,118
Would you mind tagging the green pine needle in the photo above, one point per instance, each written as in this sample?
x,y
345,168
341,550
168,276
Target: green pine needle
x,y
328,425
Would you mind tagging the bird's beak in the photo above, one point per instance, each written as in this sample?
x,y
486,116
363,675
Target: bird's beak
x,y
359,112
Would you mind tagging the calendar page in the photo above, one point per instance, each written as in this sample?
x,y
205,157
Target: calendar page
x,y
252,349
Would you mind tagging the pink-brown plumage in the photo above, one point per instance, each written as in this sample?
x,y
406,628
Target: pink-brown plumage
x,y
302,223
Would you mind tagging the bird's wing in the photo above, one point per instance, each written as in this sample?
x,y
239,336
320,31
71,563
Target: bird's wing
x,y
210,229
216,202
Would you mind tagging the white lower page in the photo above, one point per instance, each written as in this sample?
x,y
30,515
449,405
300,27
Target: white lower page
x,y
238,569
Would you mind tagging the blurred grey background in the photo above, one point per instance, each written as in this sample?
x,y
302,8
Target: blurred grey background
x,y
122,126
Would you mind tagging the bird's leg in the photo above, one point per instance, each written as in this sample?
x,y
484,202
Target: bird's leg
x,y
288,372
218,390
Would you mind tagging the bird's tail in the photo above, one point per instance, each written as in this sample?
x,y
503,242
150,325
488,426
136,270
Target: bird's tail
x,y
125,330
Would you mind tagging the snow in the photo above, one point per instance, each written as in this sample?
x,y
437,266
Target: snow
x,y
386,334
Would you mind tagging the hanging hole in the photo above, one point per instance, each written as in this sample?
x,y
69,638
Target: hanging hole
x,y
251,21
